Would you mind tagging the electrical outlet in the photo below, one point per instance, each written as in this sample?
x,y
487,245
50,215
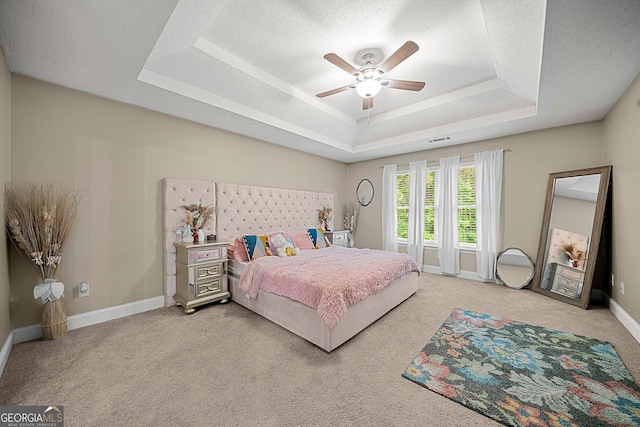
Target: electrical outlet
x,y
613,281
621,288
84,290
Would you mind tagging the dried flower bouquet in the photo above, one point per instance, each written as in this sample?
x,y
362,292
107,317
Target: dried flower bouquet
x,y
40,218
198,215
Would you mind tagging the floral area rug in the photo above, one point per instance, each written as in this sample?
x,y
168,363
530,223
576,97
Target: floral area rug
x,y
524,375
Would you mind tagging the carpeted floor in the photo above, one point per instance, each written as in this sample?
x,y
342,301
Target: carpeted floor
x,y
226,366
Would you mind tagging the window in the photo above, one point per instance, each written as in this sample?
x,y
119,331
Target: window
x,y
466,206
402,204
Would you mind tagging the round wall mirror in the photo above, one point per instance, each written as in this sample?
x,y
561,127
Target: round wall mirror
x,y
364,192
514,268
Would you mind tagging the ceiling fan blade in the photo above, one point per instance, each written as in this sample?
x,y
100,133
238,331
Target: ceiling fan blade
x,y
405,51
367,103
334,91
341,63
405,84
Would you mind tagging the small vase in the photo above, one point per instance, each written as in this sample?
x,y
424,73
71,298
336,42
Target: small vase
x,y
195,236
201,238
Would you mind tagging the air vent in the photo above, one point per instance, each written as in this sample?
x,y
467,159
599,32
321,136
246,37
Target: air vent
x,y
435,140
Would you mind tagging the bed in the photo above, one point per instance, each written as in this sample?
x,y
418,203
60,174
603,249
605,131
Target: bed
x,y
242,209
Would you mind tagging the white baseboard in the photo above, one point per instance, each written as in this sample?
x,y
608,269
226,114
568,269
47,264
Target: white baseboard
x,y
632,326
470,275
4,352
77,321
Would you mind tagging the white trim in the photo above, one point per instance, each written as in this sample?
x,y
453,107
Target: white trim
x,y
77,321
116,312
471,275
5,351
27,333
627,321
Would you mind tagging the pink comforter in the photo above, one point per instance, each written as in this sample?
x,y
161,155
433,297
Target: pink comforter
x,y
329,280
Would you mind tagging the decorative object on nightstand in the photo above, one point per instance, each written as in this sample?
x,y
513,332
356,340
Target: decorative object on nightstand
x,y
197,217
351,214
325,215
337,237
201,274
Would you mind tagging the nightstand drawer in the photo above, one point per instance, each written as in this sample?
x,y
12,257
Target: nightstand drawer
x,y
339,237
208,271
208,288
205,255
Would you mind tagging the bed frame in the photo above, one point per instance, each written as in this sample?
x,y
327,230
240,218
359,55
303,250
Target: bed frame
x,y
304,321
243,209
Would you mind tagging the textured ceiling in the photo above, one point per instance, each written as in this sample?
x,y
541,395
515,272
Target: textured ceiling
x,y
492,67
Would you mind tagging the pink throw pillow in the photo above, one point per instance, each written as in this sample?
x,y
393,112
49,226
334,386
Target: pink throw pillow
x,y
300,239
237,250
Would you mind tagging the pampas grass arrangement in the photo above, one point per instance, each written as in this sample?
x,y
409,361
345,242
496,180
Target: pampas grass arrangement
x,y
351,213
40,218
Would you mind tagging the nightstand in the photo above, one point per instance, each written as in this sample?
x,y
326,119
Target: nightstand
x,y
201,274
338,237
567,280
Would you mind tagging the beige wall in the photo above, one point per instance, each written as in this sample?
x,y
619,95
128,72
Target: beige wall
x,y
572,215
621,130
526,169
117,155
5,177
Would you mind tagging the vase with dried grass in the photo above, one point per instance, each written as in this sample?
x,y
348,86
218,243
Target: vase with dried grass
x,y
351,214
40,218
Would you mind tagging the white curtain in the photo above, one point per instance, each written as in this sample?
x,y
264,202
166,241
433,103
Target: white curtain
x,y
417,188
389,212
488,169
448,245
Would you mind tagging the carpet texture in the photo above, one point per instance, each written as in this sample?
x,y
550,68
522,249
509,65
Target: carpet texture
x,y
226,366
525,375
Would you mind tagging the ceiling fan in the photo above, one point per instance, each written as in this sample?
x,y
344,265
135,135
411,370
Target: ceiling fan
x,y
370,78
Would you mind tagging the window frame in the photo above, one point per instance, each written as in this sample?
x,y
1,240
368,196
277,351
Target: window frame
x,y
465,247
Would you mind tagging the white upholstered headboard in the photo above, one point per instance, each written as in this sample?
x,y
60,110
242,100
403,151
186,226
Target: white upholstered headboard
x,y
240,209
245,209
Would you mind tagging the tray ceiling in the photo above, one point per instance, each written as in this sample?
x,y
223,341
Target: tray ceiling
x,y
492,67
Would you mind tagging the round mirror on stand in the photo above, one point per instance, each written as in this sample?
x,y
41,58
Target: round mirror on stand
x,y
514,268
364,192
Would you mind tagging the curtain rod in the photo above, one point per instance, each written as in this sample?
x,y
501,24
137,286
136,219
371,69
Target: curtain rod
x,y
437,162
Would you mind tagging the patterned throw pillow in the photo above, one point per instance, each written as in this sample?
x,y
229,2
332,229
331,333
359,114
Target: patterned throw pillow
x,y
317,238
257,246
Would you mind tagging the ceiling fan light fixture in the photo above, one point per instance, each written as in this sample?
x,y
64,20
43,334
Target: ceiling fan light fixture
x,y
368,88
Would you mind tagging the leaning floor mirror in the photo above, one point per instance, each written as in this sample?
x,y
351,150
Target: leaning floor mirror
x,y
570,237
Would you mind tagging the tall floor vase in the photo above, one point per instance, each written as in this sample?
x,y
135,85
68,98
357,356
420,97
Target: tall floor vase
x,y
54,320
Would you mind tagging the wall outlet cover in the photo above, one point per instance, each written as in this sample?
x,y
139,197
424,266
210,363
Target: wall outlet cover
x,y
84,290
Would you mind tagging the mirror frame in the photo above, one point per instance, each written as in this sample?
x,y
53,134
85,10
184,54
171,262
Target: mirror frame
x,y
373,192
596,232
529,279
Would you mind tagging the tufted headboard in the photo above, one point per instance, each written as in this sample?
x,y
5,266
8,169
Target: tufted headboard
x,y
240,209
245,209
